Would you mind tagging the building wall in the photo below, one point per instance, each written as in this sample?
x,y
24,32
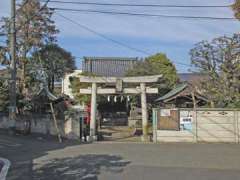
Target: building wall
x,y
208,125
66,83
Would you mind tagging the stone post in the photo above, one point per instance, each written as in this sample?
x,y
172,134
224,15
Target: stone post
x,y
154,123
144,111
93,112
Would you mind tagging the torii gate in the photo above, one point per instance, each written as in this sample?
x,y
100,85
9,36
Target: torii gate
x,y
143,90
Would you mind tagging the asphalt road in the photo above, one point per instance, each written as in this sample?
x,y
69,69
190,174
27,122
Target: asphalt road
x,y
42,159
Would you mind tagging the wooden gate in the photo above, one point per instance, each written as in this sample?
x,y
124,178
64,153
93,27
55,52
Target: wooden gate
x,y
169,119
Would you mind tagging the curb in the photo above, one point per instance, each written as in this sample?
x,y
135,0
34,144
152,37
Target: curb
x,y
122,142
6,164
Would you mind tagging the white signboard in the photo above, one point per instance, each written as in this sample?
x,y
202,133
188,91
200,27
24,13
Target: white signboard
x,y
165,112
185,120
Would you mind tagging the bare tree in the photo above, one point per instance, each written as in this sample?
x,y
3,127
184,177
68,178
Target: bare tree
x,y
219,61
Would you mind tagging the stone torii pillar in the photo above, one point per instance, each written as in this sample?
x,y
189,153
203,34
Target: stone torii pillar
x,y
93,112
144,111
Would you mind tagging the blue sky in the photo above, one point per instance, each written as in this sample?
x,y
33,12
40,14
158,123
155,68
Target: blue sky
x,y
175,37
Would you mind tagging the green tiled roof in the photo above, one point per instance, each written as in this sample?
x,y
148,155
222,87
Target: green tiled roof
x,y
173,92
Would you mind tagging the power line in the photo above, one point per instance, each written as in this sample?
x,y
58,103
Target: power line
x,y
28,20
104,36
99,34
24,4
144,14
110,39
46,2
140,5
21,7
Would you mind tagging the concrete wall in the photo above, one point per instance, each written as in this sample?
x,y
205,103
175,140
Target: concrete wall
x,y
208,125
43,124
216,126
72,126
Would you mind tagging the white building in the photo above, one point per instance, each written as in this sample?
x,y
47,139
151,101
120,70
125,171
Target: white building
x,y
66,83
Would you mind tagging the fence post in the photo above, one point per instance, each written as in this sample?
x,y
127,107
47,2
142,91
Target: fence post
x,y
154,124
195,125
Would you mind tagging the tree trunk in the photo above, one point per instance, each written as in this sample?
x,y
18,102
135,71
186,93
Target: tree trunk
x,y
194,100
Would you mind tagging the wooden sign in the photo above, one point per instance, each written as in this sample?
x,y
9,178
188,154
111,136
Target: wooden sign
x,y
119,85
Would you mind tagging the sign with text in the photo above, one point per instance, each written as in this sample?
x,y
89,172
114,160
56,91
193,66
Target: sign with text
x,y
119,85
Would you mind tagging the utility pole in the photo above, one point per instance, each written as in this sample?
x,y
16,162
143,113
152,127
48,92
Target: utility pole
x,y
12,82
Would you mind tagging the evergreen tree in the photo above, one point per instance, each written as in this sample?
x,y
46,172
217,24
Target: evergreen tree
x,y
34,29
56,61
155,65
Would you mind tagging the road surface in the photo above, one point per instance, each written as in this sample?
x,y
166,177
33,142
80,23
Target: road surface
x,y
45,159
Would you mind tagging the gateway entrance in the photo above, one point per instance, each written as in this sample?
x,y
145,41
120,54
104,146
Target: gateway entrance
x,y
122,87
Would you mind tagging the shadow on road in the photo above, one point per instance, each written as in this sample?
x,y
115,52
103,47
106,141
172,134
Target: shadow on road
x,y
22,151
84,167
